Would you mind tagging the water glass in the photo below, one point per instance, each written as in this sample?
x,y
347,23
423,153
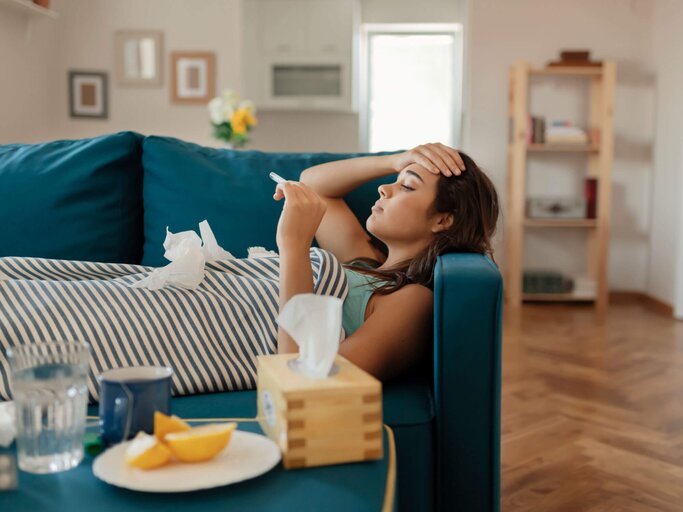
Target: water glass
x,y
49,387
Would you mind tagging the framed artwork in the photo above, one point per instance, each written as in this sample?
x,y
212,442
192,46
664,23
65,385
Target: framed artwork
x,y
88,95
192,77
138,57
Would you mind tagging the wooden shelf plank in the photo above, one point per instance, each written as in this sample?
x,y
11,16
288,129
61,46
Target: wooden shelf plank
x,y
556,297
579,148
28,8
560,223
567,70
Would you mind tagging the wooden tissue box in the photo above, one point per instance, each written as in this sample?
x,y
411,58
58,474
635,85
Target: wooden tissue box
x,y
320,422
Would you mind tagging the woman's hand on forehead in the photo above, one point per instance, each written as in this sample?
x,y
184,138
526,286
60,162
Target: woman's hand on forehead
x,y
436,158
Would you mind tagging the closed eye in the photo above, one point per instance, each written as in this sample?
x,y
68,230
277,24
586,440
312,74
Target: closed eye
x,y
407,187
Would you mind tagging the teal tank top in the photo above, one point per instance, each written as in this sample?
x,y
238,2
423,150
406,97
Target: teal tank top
x,y
360,291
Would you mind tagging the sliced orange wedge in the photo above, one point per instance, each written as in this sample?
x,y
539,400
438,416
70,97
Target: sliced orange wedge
x,y
200,443
146,452
164,424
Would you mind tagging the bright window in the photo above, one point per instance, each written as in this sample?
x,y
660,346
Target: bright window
x,y
411,85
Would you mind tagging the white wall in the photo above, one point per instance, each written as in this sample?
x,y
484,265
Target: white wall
x,y
410,11
85,38
25,77
665,266
306,131
536,30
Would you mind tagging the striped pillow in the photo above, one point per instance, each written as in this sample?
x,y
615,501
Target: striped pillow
x,y
209,336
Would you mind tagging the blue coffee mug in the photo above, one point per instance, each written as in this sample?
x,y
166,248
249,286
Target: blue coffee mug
x,y
128,399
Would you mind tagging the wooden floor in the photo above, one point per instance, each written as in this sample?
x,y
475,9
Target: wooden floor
x,y
592,410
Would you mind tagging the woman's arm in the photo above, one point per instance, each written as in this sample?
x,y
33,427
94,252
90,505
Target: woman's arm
x,y
296,277
301,214
338,178
395,335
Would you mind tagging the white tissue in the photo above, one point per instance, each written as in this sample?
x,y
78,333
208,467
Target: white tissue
x,y
188,253
314,322
8,429
259,252
212,251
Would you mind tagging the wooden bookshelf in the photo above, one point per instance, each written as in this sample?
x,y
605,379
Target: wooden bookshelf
x,y
599,165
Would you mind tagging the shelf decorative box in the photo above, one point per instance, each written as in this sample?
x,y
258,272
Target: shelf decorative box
x,y
556,208
317,422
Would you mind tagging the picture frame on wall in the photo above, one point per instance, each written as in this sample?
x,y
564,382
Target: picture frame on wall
x,y
192,77
138,57
88,94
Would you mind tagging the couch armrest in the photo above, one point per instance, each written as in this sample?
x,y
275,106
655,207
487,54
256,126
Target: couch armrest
x,y
468,313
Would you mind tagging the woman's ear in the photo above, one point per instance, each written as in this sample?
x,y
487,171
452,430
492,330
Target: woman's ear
x,y
442,222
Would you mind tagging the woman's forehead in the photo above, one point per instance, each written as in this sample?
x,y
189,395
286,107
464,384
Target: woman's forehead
x,y
420,174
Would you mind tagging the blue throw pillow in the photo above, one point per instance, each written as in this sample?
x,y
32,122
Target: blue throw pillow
x,y
185,183
73,199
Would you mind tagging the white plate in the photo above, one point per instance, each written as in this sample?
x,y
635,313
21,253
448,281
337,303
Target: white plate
x,y
248,455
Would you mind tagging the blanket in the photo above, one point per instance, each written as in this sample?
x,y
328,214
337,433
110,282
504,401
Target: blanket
x,y
210,336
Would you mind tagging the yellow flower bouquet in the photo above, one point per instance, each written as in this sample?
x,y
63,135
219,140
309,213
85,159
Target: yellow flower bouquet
x,y
232,118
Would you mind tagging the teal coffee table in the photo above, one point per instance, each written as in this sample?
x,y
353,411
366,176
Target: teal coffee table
x,y
361,486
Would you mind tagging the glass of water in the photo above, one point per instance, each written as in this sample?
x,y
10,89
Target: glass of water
x,y
49,387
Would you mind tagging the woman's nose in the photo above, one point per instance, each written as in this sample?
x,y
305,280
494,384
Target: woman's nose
x,y
382,189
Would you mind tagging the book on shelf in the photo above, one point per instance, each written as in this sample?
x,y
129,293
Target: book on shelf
x,y
558,131
563,131
535,130
590,193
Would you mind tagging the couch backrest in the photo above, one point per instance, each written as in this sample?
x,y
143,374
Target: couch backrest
x,y
185,183
73,199
84,199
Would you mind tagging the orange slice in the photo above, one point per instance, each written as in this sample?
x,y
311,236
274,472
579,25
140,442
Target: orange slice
x,y
200,443
146,452
164,424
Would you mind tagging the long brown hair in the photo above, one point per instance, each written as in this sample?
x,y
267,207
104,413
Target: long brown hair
x,y
473,201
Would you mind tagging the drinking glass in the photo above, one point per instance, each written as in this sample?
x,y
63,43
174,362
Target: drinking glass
x,y
49,387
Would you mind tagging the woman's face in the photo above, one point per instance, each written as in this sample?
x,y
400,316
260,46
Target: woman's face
x,y
403,211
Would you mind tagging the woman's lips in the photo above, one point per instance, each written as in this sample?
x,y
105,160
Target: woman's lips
x,y
377,208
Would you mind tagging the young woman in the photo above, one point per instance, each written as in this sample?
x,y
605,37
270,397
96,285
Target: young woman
x,y
440,202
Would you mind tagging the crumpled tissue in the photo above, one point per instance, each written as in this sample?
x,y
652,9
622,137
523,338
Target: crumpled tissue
x,y
188,253
8,429
315,323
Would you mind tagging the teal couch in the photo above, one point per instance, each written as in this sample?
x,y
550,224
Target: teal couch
x,y
110,199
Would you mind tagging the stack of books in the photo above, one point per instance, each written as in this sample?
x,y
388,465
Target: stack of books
x,y
535,130
564,132
560,131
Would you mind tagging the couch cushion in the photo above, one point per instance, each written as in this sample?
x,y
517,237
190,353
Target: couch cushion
x,y
73,199
185,183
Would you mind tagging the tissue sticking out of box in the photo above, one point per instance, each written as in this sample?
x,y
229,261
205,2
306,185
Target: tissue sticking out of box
x,y
188,253
314,322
